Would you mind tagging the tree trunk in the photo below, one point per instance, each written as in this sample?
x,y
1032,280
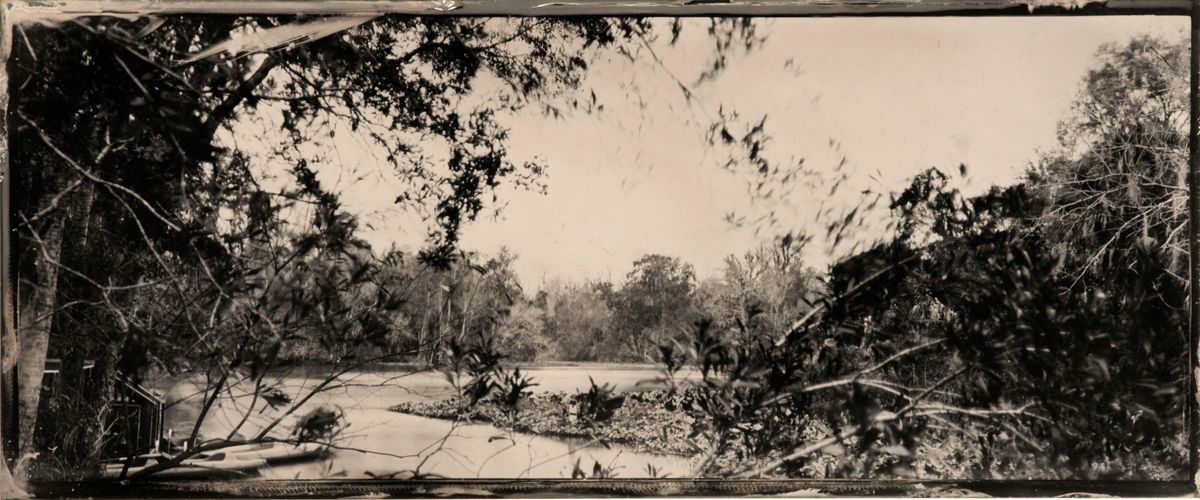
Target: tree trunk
x,y
8,362
34,338
87,394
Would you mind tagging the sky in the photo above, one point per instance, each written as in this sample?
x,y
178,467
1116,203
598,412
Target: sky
x,y
890,96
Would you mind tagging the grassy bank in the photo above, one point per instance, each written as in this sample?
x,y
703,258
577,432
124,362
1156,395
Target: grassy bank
x,y
649,421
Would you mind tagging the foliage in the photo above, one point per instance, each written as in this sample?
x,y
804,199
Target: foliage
x,y
203,268
514,389
598,471
480,363
1115,198
320,424
1116,184
653,304
578,322
984,325
646,421
1032,330
992,334
598,404
522,334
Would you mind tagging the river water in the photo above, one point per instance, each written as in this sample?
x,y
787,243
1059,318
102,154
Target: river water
x,y
381,443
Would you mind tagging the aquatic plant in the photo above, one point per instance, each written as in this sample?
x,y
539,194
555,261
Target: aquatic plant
x,y
598,404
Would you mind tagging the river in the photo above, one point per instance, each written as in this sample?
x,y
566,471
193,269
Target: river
x,y
381,443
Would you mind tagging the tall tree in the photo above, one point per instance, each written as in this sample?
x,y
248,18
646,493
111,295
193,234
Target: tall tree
x,y
579,323
654,304
1117,182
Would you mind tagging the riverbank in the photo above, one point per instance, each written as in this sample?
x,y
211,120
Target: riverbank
x,y
648,422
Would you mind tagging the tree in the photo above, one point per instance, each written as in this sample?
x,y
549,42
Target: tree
x,y
1116,185
654,304
521,335
1115,197
578,322
768,287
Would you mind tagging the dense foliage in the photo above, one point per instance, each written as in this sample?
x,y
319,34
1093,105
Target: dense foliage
x,y
1034,330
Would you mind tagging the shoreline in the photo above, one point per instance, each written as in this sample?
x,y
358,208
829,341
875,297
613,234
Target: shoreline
x,y
648,422
311,366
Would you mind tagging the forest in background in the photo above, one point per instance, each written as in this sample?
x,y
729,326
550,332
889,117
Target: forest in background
x,y
657,303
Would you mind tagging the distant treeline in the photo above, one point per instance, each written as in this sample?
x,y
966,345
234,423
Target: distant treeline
x,y
658,302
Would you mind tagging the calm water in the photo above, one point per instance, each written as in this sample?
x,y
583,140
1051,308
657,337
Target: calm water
x,y
378,442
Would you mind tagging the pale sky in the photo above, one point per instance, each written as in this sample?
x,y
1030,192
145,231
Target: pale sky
x,y
897,96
